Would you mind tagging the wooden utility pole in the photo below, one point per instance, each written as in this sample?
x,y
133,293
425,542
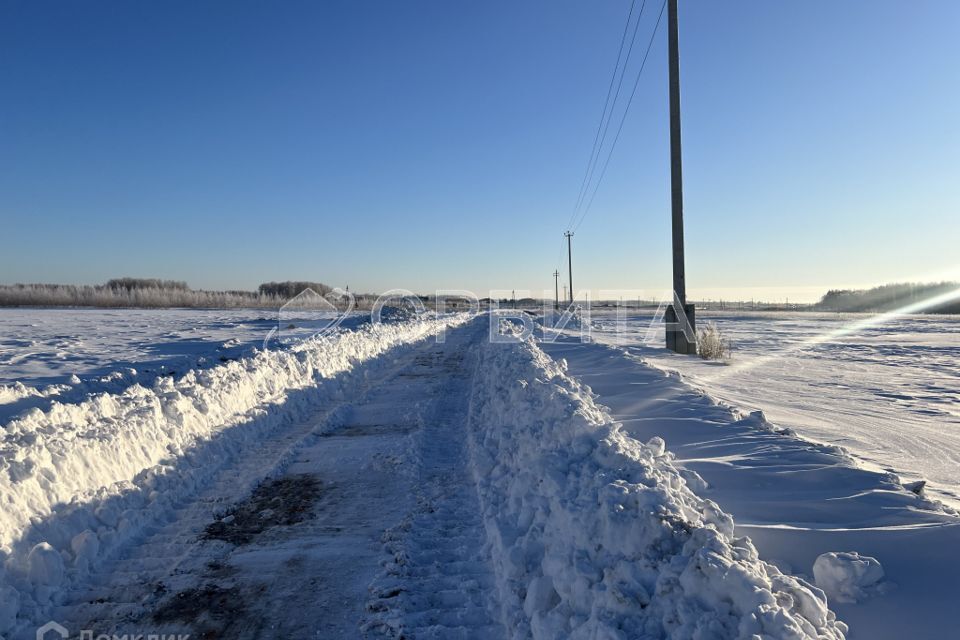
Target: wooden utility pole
x,y
569,234
556,289
677,340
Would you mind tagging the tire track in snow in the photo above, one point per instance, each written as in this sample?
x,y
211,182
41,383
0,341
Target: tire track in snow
x,y
439,581
125,589
310,579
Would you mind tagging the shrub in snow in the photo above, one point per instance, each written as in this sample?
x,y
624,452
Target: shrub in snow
x,y
848,577
596,535
711,345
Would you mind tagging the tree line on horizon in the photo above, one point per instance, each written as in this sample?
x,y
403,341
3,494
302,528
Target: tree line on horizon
x,y
158,293
890,297
288,289
151,293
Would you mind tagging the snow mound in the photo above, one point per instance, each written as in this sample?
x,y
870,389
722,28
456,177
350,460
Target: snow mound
x,y
17,391
79,480
848,576
594,534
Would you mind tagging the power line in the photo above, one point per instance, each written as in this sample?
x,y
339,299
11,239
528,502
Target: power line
x,y
623,119
609,107
616,96
603,115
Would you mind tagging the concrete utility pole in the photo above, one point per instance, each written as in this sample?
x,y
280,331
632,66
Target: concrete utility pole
x,y
556,289
569,234
676,338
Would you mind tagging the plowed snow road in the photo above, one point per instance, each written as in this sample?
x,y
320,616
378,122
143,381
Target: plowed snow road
x,y
306,555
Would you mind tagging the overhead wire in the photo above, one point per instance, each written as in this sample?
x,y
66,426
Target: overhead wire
x,y
623,119
594,151
616,97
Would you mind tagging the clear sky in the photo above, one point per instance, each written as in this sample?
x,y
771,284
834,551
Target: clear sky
x,y
421,144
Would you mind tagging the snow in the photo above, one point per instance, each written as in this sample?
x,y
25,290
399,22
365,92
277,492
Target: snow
x,y
848,576
388,456
79,480
468,488
885,389
67,355
45,570
47,345
16,391
594,534
9,606
437,580
794,498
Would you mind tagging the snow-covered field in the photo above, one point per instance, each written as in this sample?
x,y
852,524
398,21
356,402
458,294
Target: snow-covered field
x,y
886,389
69,354
378,482
48,346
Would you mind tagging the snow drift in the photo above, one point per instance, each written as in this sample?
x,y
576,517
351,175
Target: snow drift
x,y
79,479
596,535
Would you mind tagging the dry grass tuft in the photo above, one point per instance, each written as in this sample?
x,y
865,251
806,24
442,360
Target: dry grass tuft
x,y
711,344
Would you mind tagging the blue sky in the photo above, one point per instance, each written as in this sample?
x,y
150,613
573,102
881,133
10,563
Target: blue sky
x,y
442,144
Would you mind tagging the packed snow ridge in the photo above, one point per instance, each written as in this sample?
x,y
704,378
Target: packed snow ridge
x,y
78,480
596,535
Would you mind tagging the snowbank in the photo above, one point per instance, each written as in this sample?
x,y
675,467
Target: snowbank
x,y
78,479
17,391
596,535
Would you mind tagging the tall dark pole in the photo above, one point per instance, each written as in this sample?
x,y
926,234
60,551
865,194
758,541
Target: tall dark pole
x,y
569,235
677,341
676,165
556,289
